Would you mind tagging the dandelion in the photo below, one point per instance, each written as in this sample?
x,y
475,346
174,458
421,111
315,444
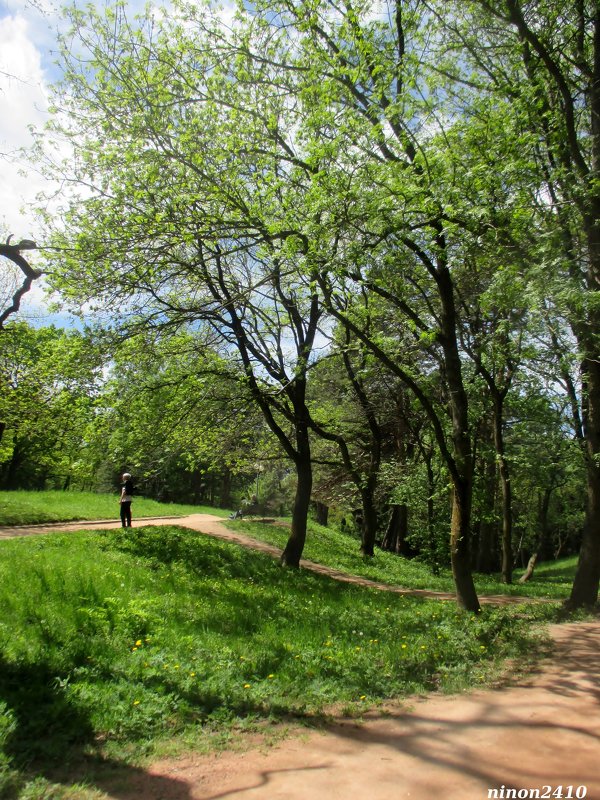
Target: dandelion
x,y
246,686
363,697
404,646
139,643
192,674
270,676
136,702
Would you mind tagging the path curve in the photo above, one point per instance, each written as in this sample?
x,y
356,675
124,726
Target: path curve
x,y
541,731
213,525
537,737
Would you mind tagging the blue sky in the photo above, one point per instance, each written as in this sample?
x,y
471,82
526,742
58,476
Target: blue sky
x,y
28,44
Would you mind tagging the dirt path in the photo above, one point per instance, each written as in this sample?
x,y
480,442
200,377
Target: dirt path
x,y
537,733
537,737
212,525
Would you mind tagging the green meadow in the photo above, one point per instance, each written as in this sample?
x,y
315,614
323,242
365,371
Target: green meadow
x,y
118,646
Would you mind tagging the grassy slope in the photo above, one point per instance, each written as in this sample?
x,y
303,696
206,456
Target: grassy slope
x,y
22,508
338,550
113,641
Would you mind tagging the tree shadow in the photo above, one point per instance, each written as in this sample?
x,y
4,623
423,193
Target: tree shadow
x,y
539,731
48,735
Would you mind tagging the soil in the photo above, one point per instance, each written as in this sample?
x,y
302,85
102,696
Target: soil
x,y
535,736
542,732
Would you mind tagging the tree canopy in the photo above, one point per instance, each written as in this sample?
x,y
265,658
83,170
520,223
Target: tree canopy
x,y
402,193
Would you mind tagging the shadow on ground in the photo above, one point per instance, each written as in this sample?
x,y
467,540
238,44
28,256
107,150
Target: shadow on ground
x,y
42,728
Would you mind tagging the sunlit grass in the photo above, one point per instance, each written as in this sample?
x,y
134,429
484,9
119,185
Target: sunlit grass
x,y
341,551
115,640
22,508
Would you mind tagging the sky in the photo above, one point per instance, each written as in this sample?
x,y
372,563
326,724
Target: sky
x,y
28,46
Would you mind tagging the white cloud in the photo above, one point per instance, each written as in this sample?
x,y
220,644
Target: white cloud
x,y
24,101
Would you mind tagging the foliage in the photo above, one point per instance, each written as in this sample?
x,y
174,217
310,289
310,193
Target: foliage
x,y
50,381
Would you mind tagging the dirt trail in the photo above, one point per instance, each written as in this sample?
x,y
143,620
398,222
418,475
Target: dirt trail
x,y
540,733
537,737
212,525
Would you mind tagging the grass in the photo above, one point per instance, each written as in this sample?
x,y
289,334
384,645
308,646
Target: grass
x,y
123,644
23,508
341,551
114,643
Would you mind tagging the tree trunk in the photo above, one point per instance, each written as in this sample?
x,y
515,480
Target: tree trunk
x,y
225,493
295,544
543,548
460,532
487,551
587,577
507,555
322,513
529,571
397,531
462,478
369,523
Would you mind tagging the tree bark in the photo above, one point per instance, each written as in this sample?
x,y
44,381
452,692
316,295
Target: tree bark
x,y
292,552
322,513
460,534
295,544
369,521
587,576
462,473
528,574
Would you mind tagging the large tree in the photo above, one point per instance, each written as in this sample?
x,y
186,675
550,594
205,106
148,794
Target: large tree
x,y
544,58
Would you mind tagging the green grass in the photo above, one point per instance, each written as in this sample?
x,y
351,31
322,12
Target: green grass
x,y
23,508
113,642
341,551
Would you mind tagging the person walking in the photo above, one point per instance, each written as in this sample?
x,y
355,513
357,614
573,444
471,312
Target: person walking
x,y
126,499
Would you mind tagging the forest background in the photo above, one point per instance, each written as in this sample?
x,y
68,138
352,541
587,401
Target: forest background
x,y
343,258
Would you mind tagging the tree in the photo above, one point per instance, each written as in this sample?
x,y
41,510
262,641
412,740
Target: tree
x,y
222,256
293,146
545,59
176,416
51,381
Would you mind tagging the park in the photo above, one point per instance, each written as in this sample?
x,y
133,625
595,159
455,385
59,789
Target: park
x,y
315,288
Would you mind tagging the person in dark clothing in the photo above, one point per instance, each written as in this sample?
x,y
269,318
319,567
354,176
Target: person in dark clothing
x,y
126,499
